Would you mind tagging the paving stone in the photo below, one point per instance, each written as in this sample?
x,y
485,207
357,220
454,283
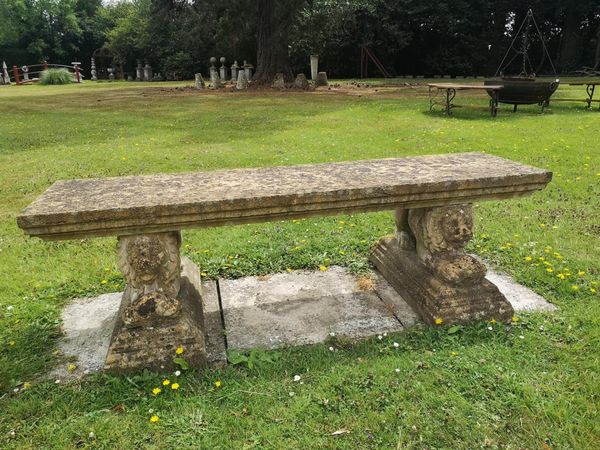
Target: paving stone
x,y
301,308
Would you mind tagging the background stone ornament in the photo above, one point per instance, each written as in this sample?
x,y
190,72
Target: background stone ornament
x,y
150,263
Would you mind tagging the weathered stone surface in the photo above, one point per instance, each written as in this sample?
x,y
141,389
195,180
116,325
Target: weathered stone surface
x,y
433,297
150,263
199,81
278,82
302,308
242,81
321,79
150,326
301,82
153,203
216,349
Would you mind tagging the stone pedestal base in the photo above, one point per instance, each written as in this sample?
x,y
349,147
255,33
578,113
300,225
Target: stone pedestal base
x,y
433,298
152,327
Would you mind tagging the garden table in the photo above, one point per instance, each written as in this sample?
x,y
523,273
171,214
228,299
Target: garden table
x,y
451,88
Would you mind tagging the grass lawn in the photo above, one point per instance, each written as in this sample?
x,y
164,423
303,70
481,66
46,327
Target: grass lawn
x,y
535,384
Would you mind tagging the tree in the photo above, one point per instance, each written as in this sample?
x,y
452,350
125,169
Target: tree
x,y
275,18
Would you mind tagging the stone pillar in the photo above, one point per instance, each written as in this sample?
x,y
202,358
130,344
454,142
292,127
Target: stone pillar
x,y
148,72
199,81
93,71
111,74
427,264
5,75
139,71
314,67
248,70
161,308
223,69
25,71
213,68
242,82
234,71
215,80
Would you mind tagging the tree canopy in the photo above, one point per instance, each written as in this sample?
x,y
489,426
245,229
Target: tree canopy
x,y
409,36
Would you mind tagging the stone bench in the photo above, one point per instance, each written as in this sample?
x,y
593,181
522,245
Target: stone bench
x,y
162,307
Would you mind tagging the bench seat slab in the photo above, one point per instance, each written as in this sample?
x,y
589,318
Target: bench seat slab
x,y
427,265
161,309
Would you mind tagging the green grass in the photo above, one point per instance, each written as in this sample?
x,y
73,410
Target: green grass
x,y
470,389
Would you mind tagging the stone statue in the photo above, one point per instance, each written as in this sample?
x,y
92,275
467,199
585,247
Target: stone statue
x,y
150,263
199,81
5,75
234,71
25,71
139,71
441,235
93,70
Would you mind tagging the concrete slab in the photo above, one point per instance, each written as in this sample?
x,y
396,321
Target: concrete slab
x,y
301,308
295,308
520,297
87,324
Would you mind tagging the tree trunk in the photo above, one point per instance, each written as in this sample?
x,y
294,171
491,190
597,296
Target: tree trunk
x,y
274,20
570,45
597,55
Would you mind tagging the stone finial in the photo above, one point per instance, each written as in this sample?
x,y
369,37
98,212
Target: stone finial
x,y
321,79
242,81
199,81
301,82
223,69
279,81
111,74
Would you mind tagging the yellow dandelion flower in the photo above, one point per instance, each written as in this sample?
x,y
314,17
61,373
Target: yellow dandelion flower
x,y
12,343
549,270
592,290
575,287
175,386
166,382
581,273
454,353
528,258
179,350
322,268
493,321
218,384
156,391
561,276
342,252
103,282
71,368
26,385
541,258
288,269
203,274
514,319
594,283
439,321
154,419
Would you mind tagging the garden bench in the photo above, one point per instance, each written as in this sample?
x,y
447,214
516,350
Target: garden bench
x,y
161,308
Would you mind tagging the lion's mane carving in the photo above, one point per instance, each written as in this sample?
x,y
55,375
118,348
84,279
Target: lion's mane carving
x,y
441,235
151,263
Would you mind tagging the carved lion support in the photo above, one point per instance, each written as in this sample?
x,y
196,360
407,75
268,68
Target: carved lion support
x,y
428,266
161,308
